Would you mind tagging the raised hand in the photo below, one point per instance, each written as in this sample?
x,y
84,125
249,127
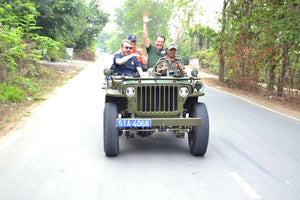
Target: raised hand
x,y
146,18
177,22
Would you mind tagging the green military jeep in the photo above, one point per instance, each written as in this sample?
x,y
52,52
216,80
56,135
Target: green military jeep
x,y
145,105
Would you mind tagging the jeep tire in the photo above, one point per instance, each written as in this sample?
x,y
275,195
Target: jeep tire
x,y
110,130
198,137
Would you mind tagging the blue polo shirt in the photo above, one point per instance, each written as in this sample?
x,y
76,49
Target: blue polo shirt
x,y
127,68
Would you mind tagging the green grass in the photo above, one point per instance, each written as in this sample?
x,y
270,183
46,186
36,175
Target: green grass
x,y
11,93
19,88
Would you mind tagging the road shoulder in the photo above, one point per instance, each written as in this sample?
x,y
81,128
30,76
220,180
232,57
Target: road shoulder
x,y
272,102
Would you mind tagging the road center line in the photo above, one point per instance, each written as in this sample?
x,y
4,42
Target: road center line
x,y
244,185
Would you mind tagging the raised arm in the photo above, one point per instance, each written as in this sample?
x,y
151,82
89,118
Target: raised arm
x,y
177,25
145,34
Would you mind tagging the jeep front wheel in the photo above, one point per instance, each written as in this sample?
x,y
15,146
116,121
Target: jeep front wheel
x,y
110,130
198,137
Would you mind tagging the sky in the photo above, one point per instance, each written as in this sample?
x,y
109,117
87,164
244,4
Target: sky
x,y
208,19
210,7
109,6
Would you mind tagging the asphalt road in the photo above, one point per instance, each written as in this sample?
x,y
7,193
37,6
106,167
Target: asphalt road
x,y
253,153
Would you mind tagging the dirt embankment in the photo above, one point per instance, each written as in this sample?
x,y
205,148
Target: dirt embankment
x,y
15,115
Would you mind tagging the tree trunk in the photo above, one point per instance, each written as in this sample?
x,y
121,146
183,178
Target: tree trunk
x,y
271,81
204,46
221,63
221,50
284,58
196,42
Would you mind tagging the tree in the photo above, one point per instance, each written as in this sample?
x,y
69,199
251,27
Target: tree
x,y
102,38
221,56
96,19
194,30
258,41
72,23
61,20
10,42
286,25
239,38
17,51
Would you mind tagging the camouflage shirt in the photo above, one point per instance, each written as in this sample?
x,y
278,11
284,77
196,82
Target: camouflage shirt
x,y
171,64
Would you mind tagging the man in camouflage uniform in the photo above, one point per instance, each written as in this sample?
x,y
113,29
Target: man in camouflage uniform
x,y
170,62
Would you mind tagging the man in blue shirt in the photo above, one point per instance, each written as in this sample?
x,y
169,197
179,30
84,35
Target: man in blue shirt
x,y
126,63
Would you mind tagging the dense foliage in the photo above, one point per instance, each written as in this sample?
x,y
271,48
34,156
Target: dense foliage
x,y
258,42
30,27
73,23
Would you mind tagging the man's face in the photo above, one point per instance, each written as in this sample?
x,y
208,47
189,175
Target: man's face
x,y
126,49
171,53
159,43
133,45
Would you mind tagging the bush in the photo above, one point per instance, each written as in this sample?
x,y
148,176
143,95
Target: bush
x,y
208,58
28,84
11,93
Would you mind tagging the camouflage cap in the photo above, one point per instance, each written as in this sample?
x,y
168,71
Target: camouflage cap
x,y
172,46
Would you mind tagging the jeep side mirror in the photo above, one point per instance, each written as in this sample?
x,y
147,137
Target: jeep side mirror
x,y
106,72
194,72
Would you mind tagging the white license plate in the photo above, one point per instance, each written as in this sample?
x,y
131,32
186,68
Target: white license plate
x,y
133,122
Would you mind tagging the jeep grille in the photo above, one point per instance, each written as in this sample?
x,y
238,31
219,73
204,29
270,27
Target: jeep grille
x,y
157,98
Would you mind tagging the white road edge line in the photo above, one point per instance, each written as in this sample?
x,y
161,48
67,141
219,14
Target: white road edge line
x,y
9,140
244,185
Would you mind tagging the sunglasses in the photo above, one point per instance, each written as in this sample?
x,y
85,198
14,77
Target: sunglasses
x,y
127,47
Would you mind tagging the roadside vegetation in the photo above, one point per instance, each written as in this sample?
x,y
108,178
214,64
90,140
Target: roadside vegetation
x,y
21,93
42,30
33,32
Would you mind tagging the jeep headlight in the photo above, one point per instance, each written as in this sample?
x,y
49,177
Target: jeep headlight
x,y
184,92
130,91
